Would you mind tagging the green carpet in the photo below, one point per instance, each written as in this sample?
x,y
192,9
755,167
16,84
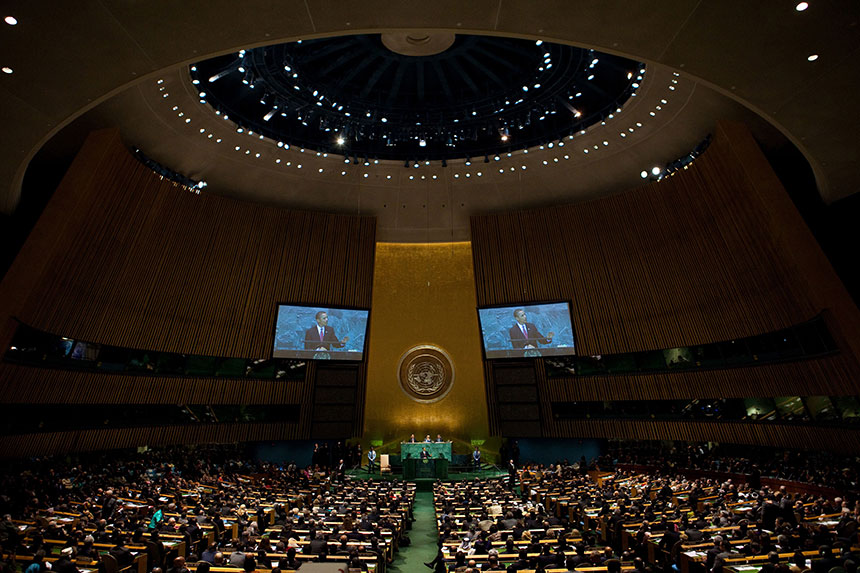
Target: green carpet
x,y
423,535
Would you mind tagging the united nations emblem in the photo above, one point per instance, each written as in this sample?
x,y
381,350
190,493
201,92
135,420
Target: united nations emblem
x,y
425,373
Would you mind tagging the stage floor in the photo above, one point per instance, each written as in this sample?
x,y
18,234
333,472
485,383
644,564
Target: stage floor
x,y
426,484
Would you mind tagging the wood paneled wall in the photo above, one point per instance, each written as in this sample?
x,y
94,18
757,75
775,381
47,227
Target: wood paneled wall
x,y
714,253
823,376
48,443
123,257
133,260
840,440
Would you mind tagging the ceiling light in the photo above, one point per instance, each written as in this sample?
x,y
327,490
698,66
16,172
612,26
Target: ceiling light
x,y
655,171
341,141
7,70
644,174
800,7
811,58
11,20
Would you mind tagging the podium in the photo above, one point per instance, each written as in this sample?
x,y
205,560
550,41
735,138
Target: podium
x,y
430,468
435,449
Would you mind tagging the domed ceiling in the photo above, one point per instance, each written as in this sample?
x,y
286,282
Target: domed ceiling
x,y
416,96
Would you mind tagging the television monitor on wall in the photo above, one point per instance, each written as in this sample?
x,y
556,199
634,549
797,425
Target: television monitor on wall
x,y
320,332
527,330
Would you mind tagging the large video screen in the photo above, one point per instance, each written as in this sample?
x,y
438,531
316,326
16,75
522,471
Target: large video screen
x,y
527,330
320,332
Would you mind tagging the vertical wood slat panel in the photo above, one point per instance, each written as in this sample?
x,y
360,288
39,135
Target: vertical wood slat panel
x,y
146,264
777,435
89,440
818,377
142,263
699,257
678,262
43,385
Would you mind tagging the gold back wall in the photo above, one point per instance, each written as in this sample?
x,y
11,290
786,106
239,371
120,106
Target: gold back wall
x,y
424,294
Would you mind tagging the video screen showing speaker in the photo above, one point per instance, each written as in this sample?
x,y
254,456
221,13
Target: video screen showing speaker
x,y
527,330
320,332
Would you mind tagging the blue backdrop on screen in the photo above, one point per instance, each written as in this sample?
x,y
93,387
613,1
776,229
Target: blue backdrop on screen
x,y
297,334
505,337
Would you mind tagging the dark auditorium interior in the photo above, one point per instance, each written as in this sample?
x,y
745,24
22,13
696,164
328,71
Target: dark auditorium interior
x,y
252,251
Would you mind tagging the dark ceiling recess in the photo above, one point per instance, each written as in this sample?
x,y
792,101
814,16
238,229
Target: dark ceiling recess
x,y
356,97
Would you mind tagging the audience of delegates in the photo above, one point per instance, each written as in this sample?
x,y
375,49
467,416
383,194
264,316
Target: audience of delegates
x,y
248,515
816,467
227,511
611,523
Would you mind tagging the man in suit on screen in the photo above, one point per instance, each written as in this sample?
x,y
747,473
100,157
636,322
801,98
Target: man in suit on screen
x,y
524,334
321,336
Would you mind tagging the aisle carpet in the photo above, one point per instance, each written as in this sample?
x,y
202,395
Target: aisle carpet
x,y
423,535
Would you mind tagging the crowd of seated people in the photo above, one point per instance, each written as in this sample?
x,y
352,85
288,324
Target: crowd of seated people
x,y
816,467
215,510
185,510
564,520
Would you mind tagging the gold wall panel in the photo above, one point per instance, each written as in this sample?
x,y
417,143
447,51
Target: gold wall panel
x,y
424,294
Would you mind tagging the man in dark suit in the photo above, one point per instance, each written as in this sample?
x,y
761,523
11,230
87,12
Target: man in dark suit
x,y
525,334
321,336
121,553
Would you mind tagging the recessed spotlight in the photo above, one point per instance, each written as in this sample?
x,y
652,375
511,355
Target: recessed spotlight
x,y
644,174
811,58
655,171
11,20
802,6
7,70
